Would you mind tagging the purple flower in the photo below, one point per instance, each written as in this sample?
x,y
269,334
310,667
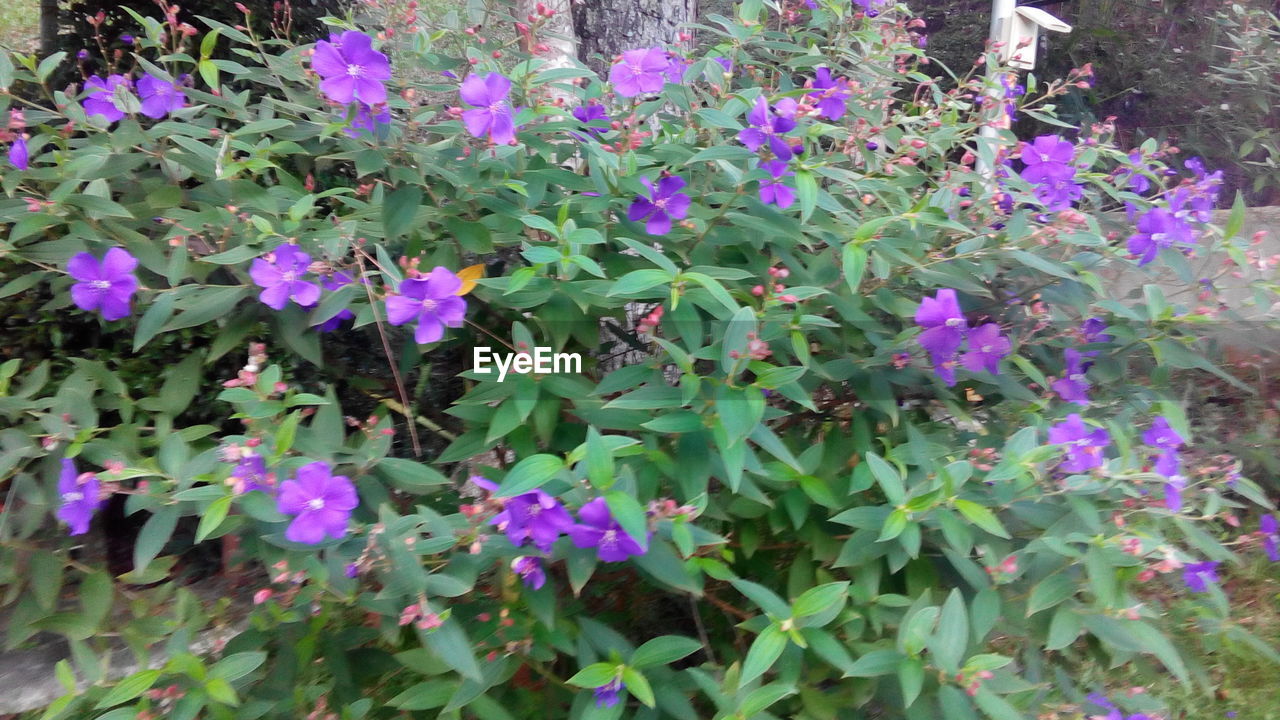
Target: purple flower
x,y
101,98
250,474
105,286
725,63
19,156
127,39
159,98
1173,493
602,532
1157,228
533,516
643,70
607,694
1167,441
594,116
773,190
1073,386
280,275
366,122
1093,330
1270,537
1084,445
1012,91
1133,175
1053,150
986,348
1196,576
1189,205
830,93
1058,193
351,69
530,571
676,68
665,202
79,497
768,127
321,502
432,301
492,114
945,331
352,570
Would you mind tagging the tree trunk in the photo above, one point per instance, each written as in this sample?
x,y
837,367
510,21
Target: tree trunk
x,y
606,28
555,42
48,27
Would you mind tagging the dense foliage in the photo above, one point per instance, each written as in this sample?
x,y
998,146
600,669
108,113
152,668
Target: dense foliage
x,y
890,444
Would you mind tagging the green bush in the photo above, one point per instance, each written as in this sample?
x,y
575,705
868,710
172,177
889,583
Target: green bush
x,y
800,500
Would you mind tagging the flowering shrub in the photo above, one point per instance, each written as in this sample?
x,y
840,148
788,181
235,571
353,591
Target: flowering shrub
x,y
862,463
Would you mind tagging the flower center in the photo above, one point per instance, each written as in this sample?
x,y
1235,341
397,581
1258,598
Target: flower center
x,y
1161,440
660,203
100,285
954,322
986,348
288,276
429,305
355,71
534,510
315,504
1076,377
610,538
498,106
1159,237
72,497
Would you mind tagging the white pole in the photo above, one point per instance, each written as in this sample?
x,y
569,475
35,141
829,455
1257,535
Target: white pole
x,y
1001,17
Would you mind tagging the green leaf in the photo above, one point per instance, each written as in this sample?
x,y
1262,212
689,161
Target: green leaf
x,y
764,652
663,650
893,525
819,599
154,536
888,477
763,697
234,667
595,675
630,514
410,476
129,688
876,663
807,193
1235,220
529,474
638,686
213,517
1050,592
911,677
157,314
855,265
982,517
399,210
951,639
46,579
996,707
450,643
638,281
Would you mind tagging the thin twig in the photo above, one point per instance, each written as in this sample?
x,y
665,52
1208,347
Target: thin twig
x,y
391,361
702,631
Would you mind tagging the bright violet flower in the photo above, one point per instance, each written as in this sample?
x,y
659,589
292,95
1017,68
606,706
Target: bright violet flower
x,y
602,532
676,68
665,202
322,503
280,275
432,301
1053,150
492,114
773,190
1094,330
19,155
1133,175
351,69
1158,228
530,571
640,71
1173,493
768,126
595,117
1058,193
106,286
986,348
1270,537
607,694
831,94
1167,441
159,98
944,324
1083,443
725,63
101,98
1073,386
366,122
250,474
534,516
1197,576
79,496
